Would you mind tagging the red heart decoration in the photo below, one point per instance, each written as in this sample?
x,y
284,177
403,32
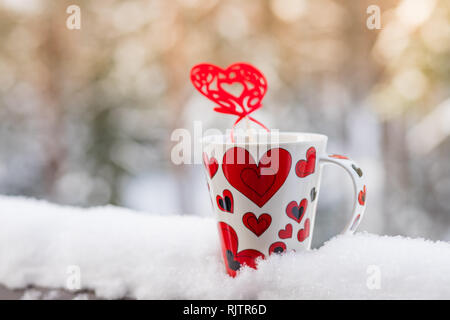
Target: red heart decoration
x,y
257,182
277,247
212,82
304,168
304,233
257,225
362,196
211,165
338,156
286,233
355,222
225,203
295,211
233,259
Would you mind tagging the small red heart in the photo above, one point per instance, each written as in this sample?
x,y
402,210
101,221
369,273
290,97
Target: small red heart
x,y
304,168
257,225
285,233
211,165
295,211
303,233
226,202
355,222
277,247
362,196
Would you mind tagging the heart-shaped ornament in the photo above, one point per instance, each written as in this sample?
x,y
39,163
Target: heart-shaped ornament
x,y
239,85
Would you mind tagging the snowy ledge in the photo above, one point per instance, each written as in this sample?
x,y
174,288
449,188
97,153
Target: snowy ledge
x,y
122,253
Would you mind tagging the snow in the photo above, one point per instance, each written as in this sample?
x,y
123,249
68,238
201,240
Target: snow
x,y
122,253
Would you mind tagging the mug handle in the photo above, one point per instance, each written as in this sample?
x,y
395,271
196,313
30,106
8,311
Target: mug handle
x,y
359,185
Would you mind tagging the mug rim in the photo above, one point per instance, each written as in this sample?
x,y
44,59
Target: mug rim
x,y
297,138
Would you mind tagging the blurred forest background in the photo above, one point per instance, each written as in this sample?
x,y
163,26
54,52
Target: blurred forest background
x,y
86,115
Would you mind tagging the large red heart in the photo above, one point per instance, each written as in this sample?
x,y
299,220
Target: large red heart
x,y
257,182
257,225
233,259
211,165
304,233
212,82
304,168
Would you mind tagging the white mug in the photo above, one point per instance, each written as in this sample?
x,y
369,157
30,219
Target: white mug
x,y
264,190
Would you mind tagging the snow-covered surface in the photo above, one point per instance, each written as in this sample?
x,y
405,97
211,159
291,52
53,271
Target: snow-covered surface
x,y
122,253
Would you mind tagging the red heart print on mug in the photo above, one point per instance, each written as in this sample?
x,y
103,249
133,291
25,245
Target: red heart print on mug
x,y
211,165
257,225
338,156
304,233
226,202
258,182
277,247
304,168
362,196
234,259
285,233
355,222
295,211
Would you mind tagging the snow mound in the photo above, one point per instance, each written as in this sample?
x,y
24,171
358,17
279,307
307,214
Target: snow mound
x,y
121,253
